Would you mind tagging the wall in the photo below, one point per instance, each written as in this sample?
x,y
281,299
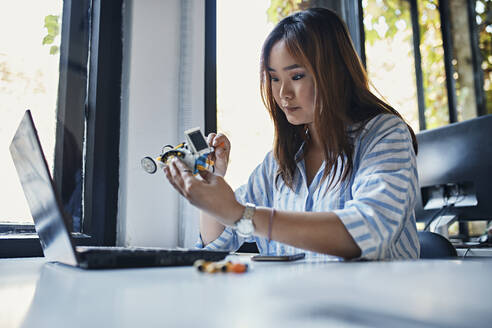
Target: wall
x,y
158,38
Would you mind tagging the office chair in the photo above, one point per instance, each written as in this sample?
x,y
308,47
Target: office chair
x,y
433,245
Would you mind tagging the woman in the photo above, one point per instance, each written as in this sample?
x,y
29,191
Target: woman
x,y
341,179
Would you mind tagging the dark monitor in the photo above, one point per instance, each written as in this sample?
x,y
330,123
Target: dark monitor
x,y
455,170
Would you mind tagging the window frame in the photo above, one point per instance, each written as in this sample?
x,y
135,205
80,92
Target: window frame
x,y
210,66
419,75
478,75
89,97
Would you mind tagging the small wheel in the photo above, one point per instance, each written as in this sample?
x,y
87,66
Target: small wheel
x,y
149,165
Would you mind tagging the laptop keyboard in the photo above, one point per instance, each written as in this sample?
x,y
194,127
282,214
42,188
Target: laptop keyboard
x,y
126,257
112,249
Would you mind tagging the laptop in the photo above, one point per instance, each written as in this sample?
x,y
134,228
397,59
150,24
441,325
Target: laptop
x,y
51,221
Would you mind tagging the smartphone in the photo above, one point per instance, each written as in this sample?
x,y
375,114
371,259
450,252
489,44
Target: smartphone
x,y
284,258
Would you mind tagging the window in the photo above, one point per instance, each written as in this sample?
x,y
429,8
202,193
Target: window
x,y
85,171
437,52
238,95
29,62
389,55
433,67
238,80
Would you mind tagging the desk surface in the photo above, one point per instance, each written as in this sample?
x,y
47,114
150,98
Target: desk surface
x,y
442,293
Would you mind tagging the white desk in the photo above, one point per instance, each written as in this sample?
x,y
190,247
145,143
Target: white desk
x,y
440,293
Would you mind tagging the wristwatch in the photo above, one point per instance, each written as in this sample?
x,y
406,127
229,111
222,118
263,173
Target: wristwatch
x,y
245,226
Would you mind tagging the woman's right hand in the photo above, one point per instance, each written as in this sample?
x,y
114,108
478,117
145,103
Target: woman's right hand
x,y
220,156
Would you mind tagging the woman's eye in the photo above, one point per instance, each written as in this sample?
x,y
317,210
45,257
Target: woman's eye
x,y
273,79
297,77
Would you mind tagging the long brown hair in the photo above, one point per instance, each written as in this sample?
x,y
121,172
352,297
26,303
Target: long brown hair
x,y
320,40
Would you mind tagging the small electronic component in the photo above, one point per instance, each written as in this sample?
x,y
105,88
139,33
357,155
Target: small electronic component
x,y
194,153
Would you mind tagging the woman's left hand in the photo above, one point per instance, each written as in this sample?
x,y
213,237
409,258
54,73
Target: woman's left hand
x,y
210,193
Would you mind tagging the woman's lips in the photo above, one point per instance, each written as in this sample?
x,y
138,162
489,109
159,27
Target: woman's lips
x,y
291,108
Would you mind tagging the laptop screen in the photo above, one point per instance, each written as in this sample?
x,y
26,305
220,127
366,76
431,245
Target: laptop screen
x,y
39,190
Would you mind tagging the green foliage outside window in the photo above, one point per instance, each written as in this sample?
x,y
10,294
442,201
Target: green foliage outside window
x,y
434,74
388,12
282,8
389,55
53,27
385,19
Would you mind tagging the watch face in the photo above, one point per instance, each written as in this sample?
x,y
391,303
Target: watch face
x,y
245,227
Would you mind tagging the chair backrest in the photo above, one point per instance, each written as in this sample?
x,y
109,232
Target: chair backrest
x,y
433,245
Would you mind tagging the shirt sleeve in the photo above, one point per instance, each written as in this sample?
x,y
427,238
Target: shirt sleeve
x,y
259,191
383,187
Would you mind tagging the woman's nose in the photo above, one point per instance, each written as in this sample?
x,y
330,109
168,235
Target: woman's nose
x,y
286,91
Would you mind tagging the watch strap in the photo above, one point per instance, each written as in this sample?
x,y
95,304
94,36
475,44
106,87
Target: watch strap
x,y
245,226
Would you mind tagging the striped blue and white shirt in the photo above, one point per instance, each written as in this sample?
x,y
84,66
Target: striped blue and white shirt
x,y
376,203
